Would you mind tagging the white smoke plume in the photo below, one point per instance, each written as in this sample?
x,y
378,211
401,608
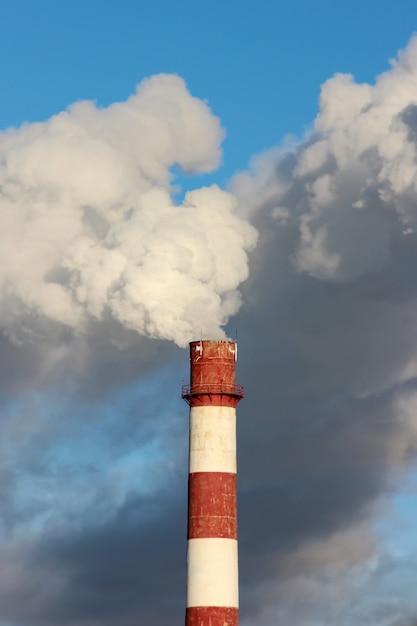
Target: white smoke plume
x,y
352,186
90,230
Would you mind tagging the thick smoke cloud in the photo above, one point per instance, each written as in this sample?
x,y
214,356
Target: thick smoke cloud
x,y
90,230
101,266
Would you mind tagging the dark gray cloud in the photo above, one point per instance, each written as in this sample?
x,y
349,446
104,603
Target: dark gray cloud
x,y
328,324
107,572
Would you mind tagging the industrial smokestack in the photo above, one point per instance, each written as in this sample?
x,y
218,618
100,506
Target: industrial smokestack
x,y
212,581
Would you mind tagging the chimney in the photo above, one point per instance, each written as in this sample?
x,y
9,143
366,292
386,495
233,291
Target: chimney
x,y
212,578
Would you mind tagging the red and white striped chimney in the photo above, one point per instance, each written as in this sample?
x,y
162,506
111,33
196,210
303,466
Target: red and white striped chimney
x,y
212,582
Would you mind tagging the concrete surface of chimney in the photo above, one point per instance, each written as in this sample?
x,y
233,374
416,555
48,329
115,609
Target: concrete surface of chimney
x,y
212,579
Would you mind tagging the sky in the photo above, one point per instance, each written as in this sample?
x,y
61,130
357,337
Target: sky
x,y
172,170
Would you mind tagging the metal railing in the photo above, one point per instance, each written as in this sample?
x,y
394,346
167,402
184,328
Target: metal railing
x,y
189,391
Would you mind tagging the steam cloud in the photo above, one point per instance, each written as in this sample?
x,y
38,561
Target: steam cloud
x,y
90,230
350,190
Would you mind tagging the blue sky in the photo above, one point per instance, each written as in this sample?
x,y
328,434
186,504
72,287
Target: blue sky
x,y
104,281
259,65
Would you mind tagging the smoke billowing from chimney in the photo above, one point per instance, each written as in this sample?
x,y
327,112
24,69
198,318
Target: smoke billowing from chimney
x,y
90,230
